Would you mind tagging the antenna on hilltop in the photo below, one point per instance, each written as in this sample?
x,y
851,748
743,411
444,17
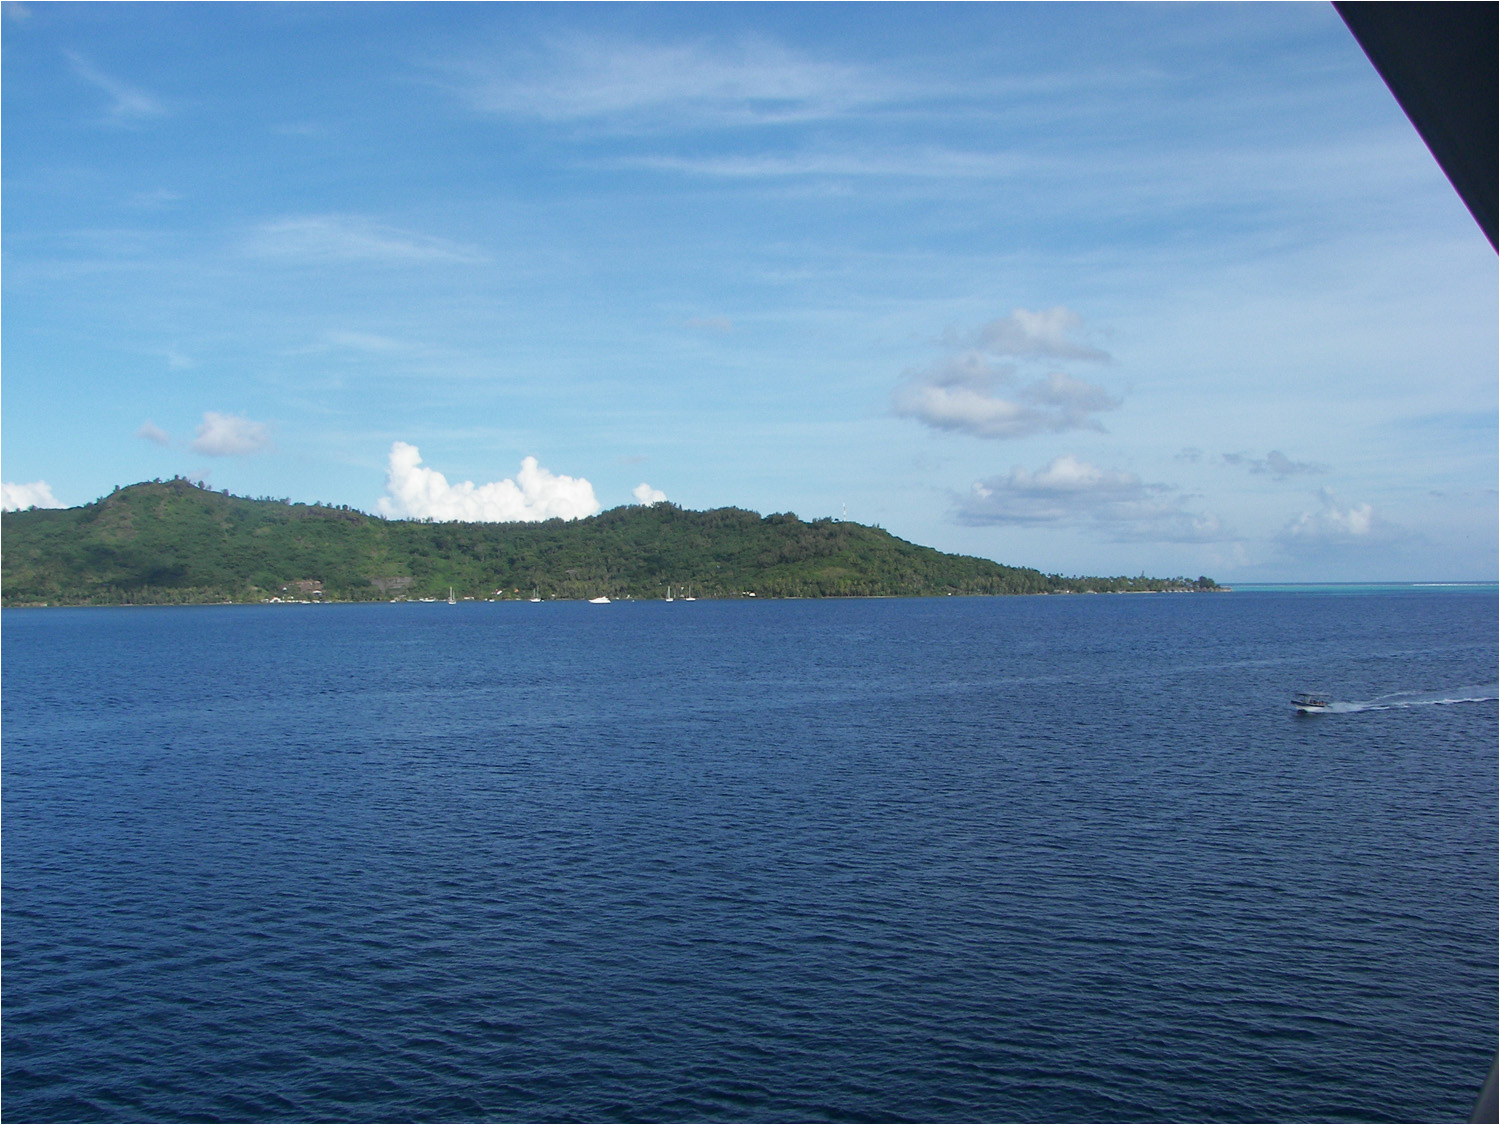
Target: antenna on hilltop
x,y
845,517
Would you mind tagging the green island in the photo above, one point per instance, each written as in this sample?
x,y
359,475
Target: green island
x,y
175,542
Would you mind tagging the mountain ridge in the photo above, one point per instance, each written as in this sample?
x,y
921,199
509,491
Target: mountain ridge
x,y
177,542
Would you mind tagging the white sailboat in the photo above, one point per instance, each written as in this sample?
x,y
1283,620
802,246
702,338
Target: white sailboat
x,y
689,597
669,593
536,594
451,599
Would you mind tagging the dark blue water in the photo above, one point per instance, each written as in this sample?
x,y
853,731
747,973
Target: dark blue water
x,y
961,859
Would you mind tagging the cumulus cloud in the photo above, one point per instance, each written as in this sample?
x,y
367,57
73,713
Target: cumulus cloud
x,y
1275,464
983,389
229,435
417,492
18,497
1069,491
1333,522
153,433
1048,333
645,494
347,238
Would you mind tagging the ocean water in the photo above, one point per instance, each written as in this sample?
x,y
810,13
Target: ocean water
x,y
1010,859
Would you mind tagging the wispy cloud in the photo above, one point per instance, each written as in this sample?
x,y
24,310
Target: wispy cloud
x,y
980,391
347,238
416,492
579,78
230,435
150,431
154,200
299,129
127,102
1069,491
1275,464
18,497
362,342
942,164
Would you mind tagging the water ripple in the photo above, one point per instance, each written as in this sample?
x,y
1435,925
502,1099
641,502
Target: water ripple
x,y
966,860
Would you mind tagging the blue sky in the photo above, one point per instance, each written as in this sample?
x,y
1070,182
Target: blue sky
x,y
1096,288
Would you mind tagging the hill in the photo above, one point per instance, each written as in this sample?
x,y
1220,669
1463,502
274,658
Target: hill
x,y
174,542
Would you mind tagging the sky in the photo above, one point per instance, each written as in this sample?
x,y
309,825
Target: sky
x,y
1100,289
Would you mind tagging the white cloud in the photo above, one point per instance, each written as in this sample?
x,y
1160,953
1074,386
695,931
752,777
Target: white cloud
x,y
1275,464
972,411
229,435
1073,492
37,494
346,238
153,433
129,102
753,82
972,394
645,494
1333,522
1048,333
978,390
415,492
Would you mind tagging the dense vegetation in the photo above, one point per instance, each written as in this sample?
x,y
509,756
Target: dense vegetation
x,y
173,542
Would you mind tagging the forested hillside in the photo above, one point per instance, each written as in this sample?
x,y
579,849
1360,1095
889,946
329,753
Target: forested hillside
x,y
173,542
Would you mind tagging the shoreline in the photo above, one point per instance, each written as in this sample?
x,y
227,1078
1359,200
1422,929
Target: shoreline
x,y
748,597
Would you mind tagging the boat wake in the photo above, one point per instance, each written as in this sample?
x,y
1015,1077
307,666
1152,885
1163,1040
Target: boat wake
x,y
1475,694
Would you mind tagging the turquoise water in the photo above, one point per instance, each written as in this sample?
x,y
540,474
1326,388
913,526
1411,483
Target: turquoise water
x,y
1490,588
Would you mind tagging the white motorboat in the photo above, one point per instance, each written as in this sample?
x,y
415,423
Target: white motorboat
x,y
600,600
1306,703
